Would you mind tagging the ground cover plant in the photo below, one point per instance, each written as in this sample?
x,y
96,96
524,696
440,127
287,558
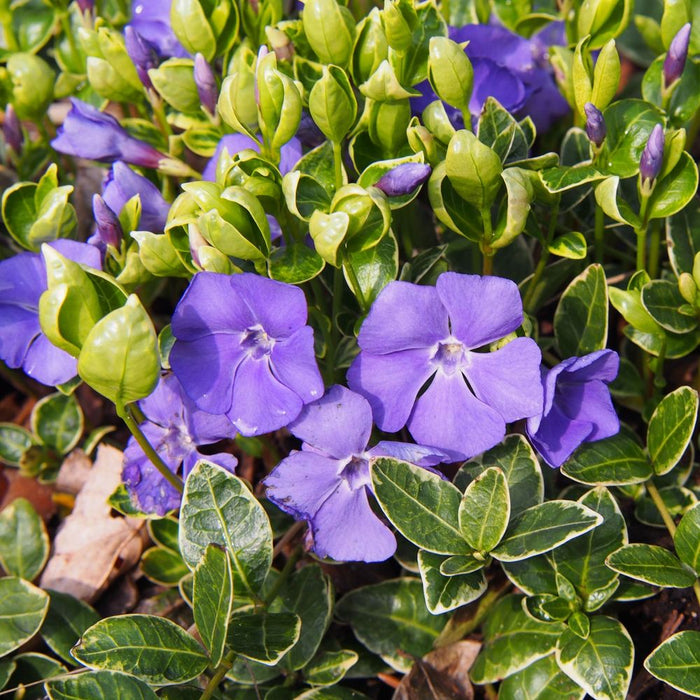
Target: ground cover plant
x,y
349,351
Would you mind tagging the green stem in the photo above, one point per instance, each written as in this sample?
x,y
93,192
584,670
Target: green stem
x,y
218,676
127,415
486,249
335,312
654,249
599,235
467,117
70,38
338,164
284,575
641,248
355,285
544,257
159,113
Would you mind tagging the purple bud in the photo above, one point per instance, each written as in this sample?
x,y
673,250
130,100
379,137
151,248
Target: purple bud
x,y
142,53
595,124
86,5
674,62
403,179
108,230
12,129
653,155
196,242
206,83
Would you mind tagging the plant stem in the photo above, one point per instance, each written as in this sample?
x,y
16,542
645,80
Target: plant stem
x,y
654,249
126,414
544,257
335,311
599,235
486,249
218,676
288,536
284,575
68,32
338,164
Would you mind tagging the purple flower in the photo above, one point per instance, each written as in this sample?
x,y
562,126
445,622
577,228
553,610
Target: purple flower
x,y
12,129
417,336
674,63
108,229
143,54
151,19
123,183
403,179
175,427
577,406
328,481
86,5
22,342
652,155
206,83
243,348
595,124
89,133
290,153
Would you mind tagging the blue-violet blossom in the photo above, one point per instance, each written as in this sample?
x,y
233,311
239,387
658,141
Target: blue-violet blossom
x,y
88,133
327,483
577,406
151,19
243,348
416,335
22,342
174,427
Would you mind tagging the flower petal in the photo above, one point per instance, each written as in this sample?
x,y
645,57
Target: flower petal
x,y
602,364
391,383
260,403
18,329
481,309
48,364
408,452
404,316
338,424
293,362
346,529
452,419
508,379
589,402
558,436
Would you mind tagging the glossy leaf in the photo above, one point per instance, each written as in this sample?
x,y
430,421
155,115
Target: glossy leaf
x,y
66,620
677,663
22,611
14,440
485,510
263,637
24,542
151,648
461,564
445,593
542,680
422,506
329,667
570,245
218,508
58,421
369,271
674,191
534,576
651,564
295,264
663,300
100,685
683,238
687,538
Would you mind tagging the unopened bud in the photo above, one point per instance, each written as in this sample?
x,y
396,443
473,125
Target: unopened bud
x,y
403,179
595,124
674,62
85,5
108,230
12,129
205,80
652,156
142,53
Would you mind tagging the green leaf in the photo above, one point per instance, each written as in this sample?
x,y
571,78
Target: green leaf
x,y
165,532
7,668
119,358
663,300
563,178
14,440
512,641
163,566
66,620
534,576
582,561
677,500
544,527
218,508
602,663
547,607
367,272
295,264
614,461
423,506
151,648
22,611
99,685
461,564
24,542
671,428
542,680
308,594
58,421
390,618
485,510
581,318
263,637
651,564
683,239
31,669
334,693
676,662
213,600
570,245
501,132
687,538
329,667
675,190
445,593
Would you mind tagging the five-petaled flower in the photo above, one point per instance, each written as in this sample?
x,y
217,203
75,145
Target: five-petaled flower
x,y
577,406
417,336
174,428
328,481
243,348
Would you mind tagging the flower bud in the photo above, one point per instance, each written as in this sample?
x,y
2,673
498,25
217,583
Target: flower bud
x,y
108,231
674,63
86,5
595,124
330,30
205,80
142,53
403,179
652,156
209,28
32,84
12,129
450,72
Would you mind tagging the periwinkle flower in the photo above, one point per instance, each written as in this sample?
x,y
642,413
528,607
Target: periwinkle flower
x,y
652,156
108,229
243,349
12,129
22,342
577,406
205,81
88,133
328,482
151,19
595,124
674,63
403,179
175,428
143,54
418,336
86,5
